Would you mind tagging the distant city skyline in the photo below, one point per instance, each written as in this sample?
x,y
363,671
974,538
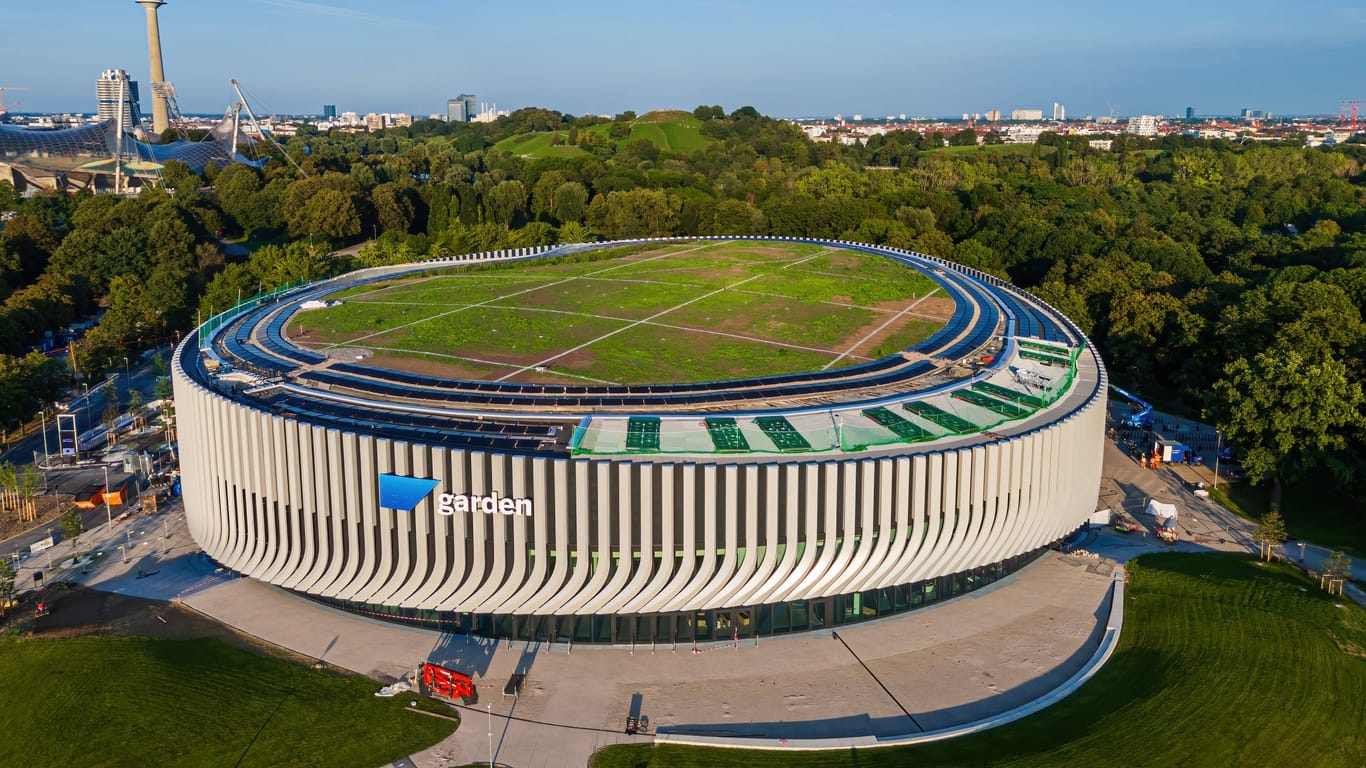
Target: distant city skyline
x,y
790,59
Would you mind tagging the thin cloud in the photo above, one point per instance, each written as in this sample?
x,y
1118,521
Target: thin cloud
x,y
334,11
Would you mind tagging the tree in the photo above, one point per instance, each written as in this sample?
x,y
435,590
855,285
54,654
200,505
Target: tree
x,y
335,215
1289,414
394,207
735,217
331,213
135,406
569,202
21,484
176,175
72,526
1337,565
504,202
637,213
6,582
1269,534
111,409
964,138
574,232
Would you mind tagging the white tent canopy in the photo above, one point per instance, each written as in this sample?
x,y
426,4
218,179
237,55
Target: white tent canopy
x,y
1161,510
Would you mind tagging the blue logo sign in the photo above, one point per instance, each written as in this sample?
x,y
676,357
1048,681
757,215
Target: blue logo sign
x,y
404,493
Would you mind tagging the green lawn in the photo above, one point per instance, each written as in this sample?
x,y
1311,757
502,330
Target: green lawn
x,y
1223,661
108,701
676,133
729,306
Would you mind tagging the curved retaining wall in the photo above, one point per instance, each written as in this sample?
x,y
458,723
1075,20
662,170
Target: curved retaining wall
x,y
1109,640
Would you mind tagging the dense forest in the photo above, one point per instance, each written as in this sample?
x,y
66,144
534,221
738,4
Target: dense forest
x,y
1222,280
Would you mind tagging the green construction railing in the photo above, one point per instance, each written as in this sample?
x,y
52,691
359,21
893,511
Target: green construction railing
x,y
1038,346
216,322
1042,357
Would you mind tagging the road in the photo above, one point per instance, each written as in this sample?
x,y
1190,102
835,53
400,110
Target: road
x,y
88,414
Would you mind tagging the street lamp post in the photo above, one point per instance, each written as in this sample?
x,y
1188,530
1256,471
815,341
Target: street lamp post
x,y
490,734
1218,446
125,368
123,551
108,511
42,413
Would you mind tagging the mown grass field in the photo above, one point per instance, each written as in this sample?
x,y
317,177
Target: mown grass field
x,y
693,311
673,131
1223,661
112,701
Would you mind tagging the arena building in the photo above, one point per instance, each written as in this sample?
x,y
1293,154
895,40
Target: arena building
x,y
503,496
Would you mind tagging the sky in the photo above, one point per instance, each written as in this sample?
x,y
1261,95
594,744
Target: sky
x,y
792,58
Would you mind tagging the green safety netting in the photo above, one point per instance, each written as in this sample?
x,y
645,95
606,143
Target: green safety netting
x,y
979,408
215,323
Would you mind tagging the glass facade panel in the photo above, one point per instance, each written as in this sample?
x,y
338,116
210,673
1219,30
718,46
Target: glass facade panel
x,y
720,625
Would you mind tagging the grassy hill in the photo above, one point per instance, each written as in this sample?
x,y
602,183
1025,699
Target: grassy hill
x,y
669,130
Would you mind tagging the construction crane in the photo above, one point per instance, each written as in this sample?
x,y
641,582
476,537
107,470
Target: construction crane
x,y
1140,411
1349,112
3,88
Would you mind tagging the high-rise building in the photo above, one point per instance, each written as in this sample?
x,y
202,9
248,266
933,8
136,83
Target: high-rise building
x,y
1059,111
461,109
329,111
376,122
1190,113
993,115
1143,125
1026,114
113,85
